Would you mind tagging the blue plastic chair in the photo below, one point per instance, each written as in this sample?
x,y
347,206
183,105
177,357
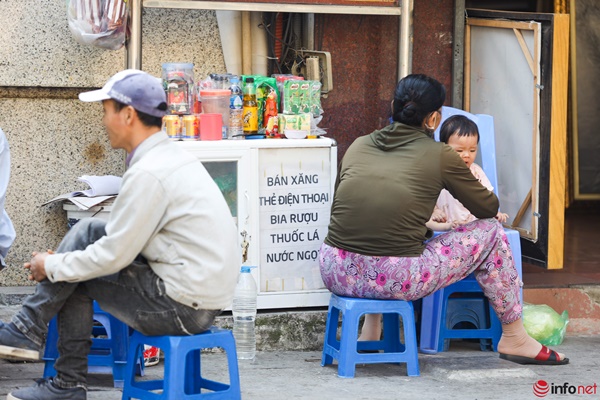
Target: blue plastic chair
x,y
182,370
108,354
346,349
441,313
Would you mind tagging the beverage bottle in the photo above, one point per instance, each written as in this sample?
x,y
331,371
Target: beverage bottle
x,y
250,108
270,107
236,128
244,315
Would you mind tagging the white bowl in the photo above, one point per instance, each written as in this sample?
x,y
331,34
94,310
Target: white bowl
x,y
291,134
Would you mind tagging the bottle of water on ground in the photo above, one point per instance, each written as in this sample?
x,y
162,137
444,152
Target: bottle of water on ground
x,y
244,315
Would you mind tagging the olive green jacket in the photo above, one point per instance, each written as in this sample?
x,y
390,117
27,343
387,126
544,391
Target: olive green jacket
x,y
386,189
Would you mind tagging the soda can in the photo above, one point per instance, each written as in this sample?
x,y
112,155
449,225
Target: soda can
x,y
172,126
190,128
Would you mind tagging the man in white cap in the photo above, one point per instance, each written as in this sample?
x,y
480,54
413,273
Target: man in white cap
x,y
165,263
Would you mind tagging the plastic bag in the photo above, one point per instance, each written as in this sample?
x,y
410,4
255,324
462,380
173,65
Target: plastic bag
x,y
544,324
100,23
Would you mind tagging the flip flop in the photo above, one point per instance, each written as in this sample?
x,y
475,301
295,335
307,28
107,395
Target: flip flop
x,y
544,357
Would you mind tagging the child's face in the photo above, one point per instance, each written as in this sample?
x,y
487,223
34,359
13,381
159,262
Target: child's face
x,y
465,146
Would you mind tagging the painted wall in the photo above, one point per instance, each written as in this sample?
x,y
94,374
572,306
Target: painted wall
x,y
55,138
364,51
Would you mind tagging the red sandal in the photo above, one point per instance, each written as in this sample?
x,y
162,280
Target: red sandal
x,y
546,356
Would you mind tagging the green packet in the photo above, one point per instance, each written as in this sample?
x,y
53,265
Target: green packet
x,y
302,97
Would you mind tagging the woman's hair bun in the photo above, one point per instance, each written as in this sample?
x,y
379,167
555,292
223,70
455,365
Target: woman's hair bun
x,y
415,97
409,110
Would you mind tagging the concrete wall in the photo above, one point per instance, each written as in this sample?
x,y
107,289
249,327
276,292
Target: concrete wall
x,y
55,138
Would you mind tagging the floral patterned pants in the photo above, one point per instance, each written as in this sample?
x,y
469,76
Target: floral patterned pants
x,y
479,247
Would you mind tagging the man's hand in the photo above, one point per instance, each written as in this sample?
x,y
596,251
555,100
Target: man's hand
x,y
36,267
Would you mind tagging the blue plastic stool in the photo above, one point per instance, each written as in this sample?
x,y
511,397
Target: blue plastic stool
x,y
346,349
436,314
467,312
107,355
182,371
438,319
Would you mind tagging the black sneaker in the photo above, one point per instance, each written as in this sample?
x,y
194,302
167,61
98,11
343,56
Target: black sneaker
x,y
45,390
16,346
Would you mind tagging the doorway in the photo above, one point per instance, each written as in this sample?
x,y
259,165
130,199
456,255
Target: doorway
x,y
582,216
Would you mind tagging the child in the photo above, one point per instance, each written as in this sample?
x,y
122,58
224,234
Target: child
x,y
460,133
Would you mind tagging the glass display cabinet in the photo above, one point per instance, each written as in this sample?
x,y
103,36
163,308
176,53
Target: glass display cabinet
x,y
279,192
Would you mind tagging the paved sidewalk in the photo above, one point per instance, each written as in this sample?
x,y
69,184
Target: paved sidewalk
x,y
464,372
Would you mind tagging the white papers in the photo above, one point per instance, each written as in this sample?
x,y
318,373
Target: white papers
x,y
85,203
101,189
99,185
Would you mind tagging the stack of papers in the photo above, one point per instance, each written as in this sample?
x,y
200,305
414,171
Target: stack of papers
x,y
101,189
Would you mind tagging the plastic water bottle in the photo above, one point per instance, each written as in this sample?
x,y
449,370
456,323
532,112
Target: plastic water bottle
x,y
235,109
244,315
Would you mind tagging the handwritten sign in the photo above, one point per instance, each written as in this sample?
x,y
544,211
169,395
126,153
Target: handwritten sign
x,y
294,207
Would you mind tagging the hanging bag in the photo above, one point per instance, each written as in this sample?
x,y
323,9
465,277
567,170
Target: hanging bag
x,y
100,23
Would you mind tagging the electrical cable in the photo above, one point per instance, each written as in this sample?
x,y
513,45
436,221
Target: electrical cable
x,y
282,42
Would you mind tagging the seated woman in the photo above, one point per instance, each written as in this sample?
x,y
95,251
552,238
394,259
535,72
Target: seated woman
x,y
385,192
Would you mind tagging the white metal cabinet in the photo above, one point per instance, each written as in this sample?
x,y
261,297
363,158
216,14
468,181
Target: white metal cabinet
x,y
280,193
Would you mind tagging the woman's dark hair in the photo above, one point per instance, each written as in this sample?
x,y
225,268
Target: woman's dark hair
x,y
460,125
146,119
415,97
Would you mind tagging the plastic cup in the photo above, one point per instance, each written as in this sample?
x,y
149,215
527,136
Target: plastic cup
x,y
211,126
216,101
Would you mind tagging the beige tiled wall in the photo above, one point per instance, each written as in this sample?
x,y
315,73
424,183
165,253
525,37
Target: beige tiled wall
x,y
55,138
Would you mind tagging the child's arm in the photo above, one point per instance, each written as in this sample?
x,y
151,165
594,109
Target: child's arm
x,y
438,226
478,172
502,217
438,222
438,215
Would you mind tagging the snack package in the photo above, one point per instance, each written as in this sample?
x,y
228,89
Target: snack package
x,y
259,80
281,78
100,23
302,97
272,128
296,97
295,122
